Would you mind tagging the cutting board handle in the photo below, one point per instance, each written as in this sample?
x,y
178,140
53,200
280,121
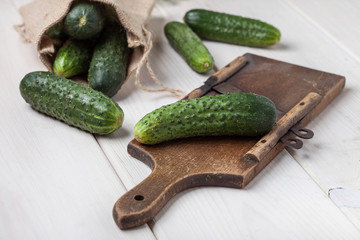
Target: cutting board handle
x,y
139,205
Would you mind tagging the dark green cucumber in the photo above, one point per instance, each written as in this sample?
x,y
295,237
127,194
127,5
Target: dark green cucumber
x,y
73,58
189,46
243,114
84,20
233,29
71,102
109,62
56,31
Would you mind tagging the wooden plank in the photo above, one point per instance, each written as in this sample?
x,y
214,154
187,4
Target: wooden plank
x,y
55,181
337,19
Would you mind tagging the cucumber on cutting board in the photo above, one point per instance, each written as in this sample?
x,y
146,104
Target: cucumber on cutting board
x,y
242,114
233,29
189,46
84,20
71,102
109,62
73,58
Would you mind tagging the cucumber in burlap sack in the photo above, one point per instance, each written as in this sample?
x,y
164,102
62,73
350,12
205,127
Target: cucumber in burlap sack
x,y
40,15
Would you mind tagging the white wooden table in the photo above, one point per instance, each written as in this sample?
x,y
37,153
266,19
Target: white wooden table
x,y
57,182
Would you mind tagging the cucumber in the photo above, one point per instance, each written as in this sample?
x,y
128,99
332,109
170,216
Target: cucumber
x,y
73,58
243,114
233,29
71,102
109,62
56,31
84,20
189,46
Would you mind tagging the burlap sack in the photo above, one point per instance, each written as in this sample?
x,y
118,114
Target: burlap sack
x,y
40,15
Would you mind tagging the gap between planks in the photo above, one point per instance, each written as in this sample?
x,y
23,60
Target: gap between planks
x,y
323,30
151,223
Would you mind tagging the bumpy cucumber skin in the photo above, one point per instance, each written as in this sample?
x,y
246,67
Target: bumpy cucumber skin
x,y
243,114
233,29
84,21
73,58
189,46
71,102
109,62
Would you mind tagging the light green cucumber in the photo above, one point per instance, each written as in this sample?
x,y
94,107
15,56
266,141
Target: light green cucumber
x,y
189,46
73,58
243,114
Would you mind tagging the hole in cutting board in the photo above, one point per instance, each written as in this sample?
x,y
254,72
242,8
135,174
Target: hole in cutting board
x,y
139,197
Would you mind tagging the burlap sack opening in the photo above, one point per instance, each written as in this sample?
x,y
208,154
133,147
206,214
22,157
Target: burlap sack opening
x,y
40,15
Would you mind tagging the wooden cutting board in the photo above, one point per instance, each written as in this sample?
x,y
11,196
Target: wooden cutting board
x,y
299,94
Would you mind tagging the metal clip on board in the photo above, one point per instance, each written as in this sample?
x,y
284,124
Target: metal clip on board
x,y
290,121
